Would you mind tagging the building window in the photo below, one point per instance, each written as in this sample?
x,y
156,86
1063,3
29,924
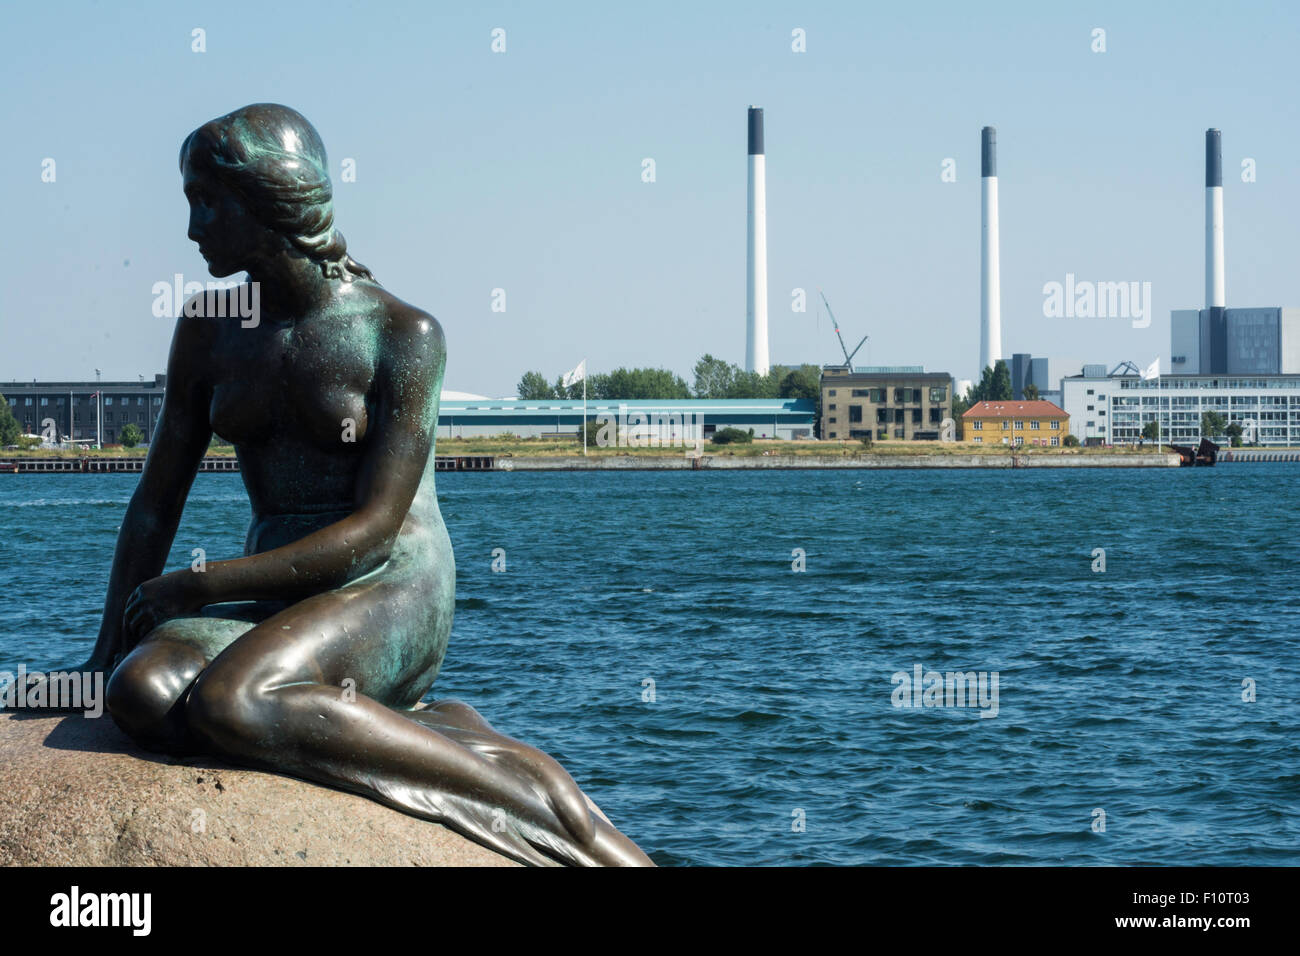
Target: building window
x,y
1033,426
832,422
978,440
1089,391
157,399
1020,426
1055,423
977,426
832,392
1020,439
1055,441
832,434
27,401
1005,424
44,401
938,394
862,393
831,406
855,413
879,395
139,399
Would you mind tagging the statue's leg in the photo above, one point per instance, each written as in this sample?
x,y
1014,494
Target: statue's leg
x,y
146,692
311,691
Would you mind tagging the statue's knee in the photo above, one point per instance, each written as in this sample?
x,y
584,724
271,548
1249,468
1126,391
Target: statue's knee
x,y
224,711
145,697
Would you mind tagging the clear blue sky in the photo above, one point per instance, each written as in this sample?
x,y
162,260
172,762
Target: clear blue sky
x,y
522,170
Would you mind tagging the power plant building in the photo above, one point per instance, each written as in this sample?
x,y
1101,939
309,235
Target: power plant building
x,y
1216,340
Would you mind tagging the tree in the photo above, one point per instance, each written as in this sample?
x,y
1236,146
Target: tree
x,y
534,386
803,382
994,385
1001,388
1234,432
637,383
593,430
1151,431
1070,441
726,436
1031,392
713,377
1212,424
9,427
130,435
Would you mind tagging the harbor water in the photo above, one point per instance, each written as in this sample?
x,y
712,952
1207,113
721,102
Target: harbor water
x,y
717,657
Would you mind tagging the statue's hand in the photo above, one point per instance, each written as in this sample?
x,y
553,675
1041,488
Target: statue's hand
x,y
157,600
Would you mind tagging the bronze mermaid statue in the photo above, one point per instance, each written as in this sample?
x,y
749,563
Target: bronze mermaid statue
x,y
310,654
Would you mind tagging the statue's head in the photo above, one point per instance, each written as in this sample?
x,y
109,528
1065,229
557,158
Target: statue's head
x,y
258,185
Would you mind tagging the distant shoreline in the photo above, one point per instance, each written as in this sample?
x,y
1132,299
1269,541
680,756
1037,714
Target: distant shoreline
x,y
643,460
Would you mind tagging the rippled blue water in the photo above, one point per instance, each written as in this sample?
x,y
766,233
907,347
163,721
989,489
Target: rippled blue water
x,y
1119,690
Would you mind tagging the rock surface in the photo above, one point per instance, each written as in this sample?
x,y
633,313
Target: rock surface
x,y
77,791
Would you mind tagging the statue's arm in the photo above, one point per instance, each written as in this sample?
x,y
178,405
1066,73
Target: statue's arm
x,y
399,440
179,442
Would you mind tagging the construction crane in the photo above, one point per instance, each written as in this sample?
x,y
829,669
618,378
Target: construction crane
x,y
848,356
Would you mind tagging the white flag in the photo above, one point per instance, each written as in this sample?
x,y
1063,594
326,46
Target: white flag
x,y
1152,370
576,376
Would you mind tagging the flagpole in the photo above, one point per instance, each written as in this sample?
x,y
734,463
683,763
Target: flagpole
x,y
584,411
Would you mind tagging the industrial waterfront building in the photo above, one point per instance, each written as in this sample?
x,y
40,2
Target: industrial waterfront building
x,y
1044,374
83,411
1112,409
1016,423
883,402
1239,342
74,407
783,418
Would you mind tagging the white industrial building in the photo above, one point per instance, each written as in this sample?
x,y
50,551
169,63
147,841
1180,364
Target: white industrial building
x,y
1111,409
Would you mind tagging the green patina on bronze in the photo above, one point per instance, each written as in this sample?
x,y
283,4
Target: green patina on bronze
x,y
310,654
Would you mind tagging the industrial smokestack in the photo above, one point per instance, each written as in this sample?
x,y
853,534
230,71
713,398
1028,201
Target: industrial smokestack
x,y
990,267
1214,293
756,357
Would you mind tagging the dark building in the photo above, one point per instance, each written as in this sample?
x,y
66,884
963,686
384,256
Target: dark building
x,y
79,410
884,402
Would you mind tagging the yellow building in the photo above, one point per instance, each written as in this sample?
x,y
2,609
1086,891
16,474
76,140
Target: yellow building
x,y
1016,423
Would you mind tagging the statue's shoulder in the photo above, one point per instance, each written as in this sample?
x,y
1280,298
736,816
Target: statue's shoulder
x,y
406,323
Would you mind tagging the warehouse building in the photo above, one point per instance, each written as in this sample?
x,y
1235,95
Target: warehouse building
x,y
74,407
784,418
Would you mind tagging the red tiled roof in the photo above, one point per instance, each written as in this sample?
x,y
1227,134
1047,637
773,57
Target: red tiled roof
x,y
1014,409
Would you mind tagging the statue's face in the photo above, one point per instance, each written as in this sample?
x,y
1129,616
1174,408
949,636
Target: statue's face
x,y
229,237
